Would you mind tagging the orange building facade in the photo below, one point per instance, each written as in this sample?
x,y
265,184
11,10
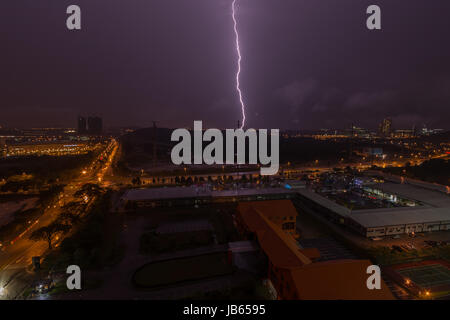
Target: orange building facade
x,y
291,269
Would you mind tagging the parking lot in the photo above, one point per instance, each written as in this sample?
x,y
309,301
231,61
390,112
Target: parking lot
x,y
419,241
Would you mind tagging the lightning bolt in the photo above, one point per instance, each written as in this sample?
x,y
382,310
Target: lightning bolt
x,y
238,73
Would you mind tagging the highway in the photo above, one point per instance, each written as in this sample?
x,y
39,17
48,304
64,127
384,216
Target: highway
x,y
16,256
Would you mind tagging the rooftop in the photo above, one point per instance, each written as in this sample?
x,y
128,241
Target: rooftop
x,y
435,208
339,279
166,193
327,203
401,217
270,209
427,196
281,248
336,280
194,192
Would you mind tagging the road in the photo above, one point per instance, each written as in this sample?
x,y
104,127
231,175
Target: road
x,y
16,256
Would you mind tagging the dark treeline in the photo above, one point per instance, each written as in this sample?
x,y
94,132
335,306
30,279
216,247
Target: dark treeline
x,y
45,169
435,170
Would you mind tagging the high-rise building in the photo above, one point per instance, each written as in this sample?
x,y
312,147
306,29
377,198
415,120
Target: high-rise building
x,y
95,125
386,127
81,125
359,132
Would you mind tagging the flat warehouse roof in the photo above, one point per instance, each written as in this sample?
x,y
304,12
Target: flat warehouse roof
x,y
194,192
431,197
402,217
436,207
327,203
250,192
165,193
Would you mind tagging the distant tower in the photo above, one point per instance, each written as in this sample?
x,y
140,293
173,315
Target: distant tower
x,y
424,130
81,125
386,127
95,125
350,141
155,140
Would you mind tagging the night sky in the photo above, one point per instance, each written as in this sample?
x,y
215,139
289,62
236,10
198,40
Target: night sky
x,y
307,64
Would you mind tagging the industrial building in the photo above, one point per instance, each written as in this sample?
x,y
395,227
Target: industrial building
x,y
429,210
196,195
415,206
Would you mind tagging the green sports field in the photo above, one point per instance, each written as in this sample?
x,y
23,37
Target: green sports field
x,y
427,276
175,271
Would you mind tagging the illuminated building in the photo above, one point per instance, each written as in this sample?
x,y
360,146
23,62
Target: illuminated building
x,y
404,133
427,132
385,128
369,151
415,206
48,148
359,132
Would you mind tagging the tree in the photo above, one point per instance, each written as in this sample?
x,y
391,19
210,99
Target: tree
x,y
46,233
68,218
89,189
73,207
136,181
